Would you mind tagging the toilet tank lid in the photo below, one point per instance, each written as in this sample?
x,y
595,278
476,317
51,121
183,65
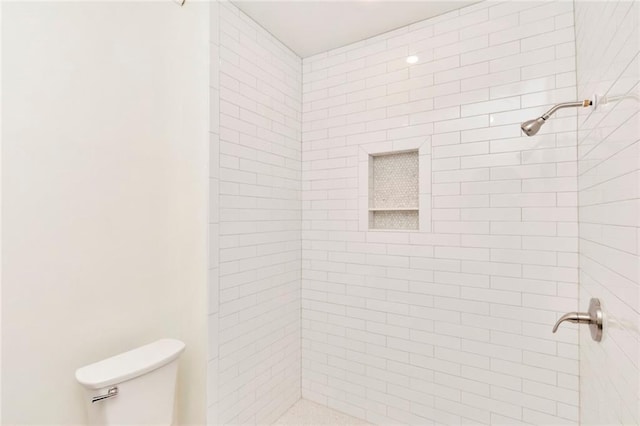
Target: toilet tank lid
x,y
128,365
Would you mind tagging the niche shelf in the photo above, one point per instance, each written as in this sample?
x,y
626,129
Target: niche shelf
x,y
394,191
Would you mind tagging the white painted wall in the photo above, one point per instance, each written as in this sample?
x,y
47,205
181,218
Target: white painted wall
x,y
259,223
608,44
104,150
214,213
1,116
450,326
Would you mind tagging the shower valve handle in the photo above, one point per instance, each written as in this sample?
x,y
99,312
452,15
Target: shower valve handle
x,y
593,318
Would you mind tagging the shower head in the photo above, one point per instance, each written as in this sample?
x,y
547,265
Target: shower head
x,y
531,127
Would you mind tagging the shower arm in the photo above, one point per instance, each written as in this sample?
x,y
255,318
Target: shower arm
x,y
549,113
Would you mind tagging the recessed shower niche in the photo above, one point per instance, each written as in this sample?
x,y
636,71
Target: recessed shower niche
x,y
394,190
394,186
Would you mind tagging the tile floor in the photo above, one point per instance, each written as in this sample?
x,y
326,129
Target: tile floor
x,y
305,412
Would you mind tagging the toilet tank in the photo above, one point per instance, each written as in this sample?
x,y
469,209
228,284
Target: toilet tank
x,y
133,388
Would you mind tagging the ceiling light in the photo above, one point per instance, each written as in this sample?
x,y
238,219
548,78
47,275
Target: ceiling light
x,y
412,59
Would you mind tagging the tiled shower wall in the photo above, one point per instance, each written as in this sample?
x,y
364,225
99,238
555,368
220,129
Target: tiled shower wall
x,y
608,46
451,324
259,162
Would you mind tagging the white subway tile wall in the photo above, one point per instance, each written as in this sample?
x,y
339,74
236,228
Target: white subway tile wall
x,y
259,162
608,47
453,325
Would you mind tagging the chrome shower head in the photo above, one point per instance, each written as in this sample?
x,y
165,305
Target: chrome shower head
x,y
531,127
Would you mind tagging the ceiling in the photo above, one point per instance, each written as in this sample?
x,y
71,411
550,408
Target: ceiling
x,y
309,26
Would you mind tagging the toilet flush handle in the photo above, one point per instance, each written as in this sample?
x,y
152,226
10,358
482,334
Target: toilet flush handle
x,y
111,393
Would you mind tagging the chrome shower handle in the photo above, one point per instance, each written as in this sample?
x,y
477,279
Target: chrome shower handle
x,y
593,318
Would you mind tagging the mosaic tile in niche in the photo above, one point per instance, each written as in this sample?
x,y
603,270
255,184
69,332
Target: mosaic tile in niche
x,y
395,181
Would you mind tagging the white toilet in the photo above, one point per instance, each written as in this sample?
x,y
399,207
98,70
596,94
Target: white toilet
x,y
134,388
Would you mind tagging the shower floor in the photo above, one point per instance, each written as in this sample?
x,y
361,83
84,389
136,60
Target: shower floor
x,y
305,412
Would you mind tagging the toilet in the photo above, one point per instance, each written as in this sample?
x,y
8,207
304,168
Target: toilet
x,y
135,387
